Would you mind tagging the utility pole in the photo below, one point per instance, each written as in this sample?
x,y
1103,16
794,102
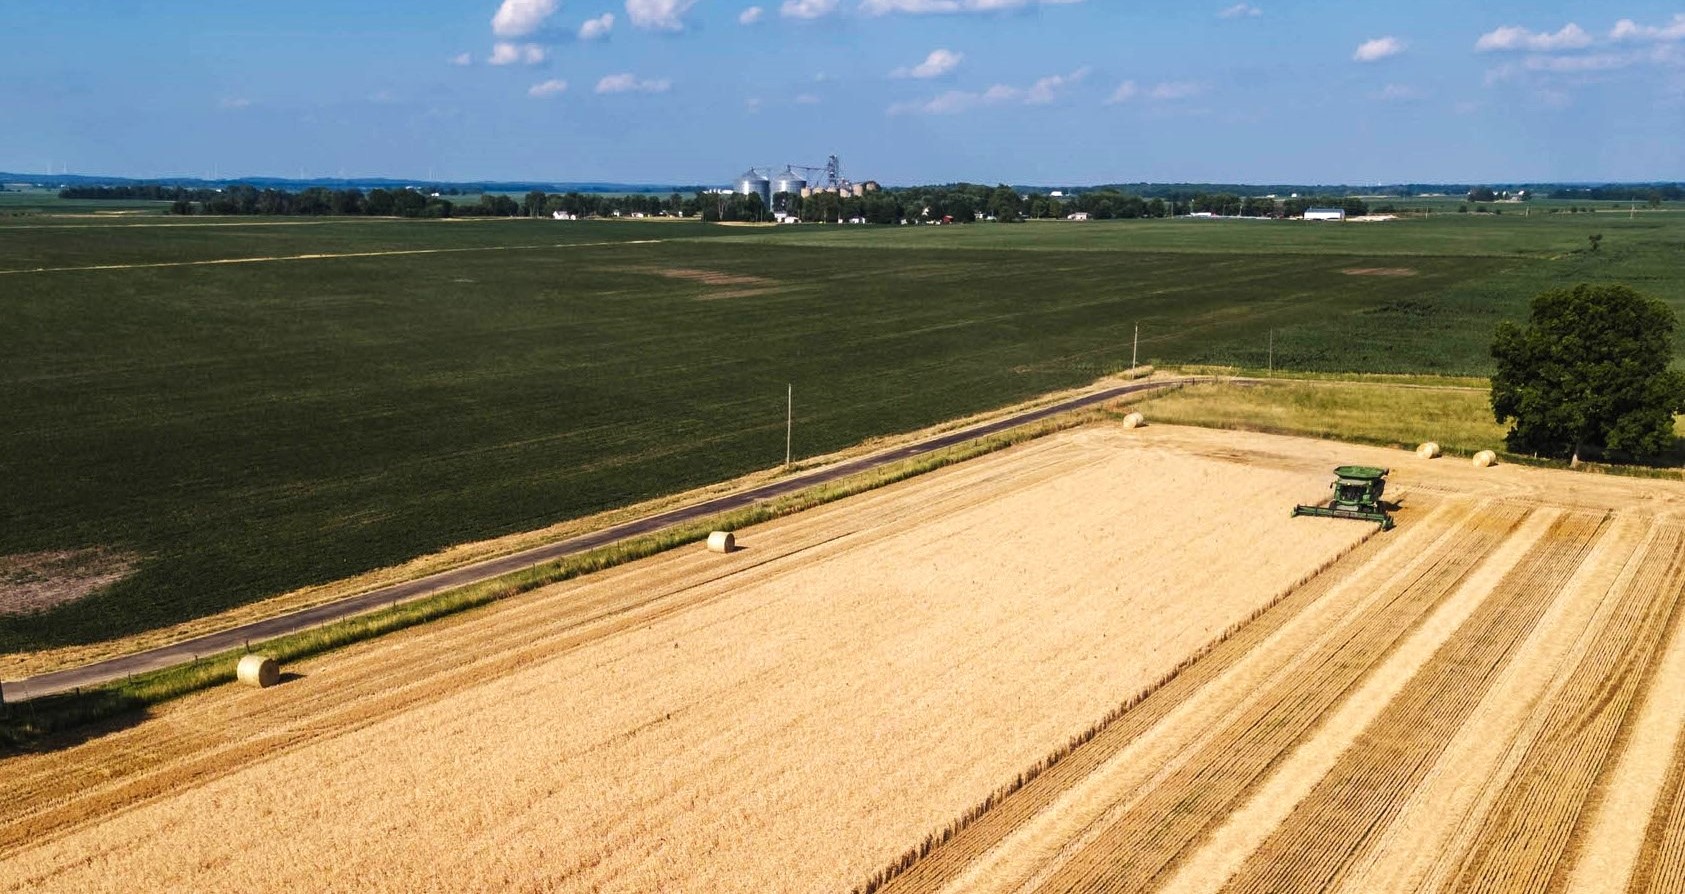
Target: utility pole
x,y
1135,350
789,421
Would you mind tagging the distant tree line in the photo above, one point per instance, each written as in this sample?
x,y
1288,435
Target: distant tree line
x,y
1652,195
148,192
946,203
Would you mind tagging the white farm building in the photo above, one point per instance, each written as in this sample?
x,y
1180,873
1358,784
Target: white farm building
x,y
1325,214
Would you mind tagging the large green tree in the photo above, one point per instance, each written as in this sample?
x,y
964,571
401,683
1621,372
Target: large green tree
x,y
1590,370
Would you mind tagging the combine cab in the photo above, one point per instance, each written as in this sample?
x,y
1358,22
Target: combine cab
x,y
1357,494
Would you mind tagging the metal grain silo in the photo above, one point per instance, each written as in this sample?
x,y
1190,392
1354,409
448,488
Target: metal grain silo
x,y
753,182
789,181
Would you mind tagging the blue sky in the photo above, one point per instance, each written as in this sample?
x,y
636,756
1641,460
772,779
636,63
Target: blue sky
x,y
905,91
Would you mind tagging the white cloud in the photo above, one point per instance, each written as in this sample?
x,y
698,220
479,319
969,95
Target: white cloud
x,y
1047,89
235,102
1170,91
1512,37
1164,91
547,89
807,99
511,53
927,7
630,83
597,28
1378,49
1042,92
750,16
518,18
1578,64
1240,10
661,15
1560,71
937,64
462,59
807,9
1397,93
1627,29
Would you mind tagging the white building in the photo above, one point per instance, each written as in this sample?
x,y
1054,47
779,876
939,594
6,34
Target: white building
x,y
1325,214
1077,215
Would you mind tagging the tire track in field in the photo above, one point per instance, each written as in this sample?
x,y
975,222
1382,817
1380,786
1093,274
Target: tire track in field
x,y
1350,807
327,256
981,843
1147,840
1523,840
52,795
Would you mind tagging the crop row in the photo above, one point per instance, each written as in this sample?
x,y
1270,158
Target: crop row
x,y
1348,807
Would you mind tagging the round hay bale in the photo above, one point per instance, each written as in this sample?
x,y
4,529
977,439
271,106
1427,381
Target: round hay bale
x,y
1485,458
1428,450
1134,420
722,542
259,670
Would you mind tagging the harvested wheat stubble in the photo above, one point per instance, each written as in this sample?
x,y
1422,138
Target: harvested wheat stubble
x,y
788,717
1144,842
1421,845
1522,842
1364,791
1661,860
1221,854
1606,856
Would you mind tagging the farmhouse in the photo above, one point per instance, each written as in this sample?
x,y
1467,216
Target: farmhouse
x,y
1325,214
1078,215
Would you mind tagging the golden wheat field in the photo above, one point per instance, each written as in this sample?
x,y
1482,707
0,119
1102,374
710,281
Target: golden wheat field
x,y
1105,660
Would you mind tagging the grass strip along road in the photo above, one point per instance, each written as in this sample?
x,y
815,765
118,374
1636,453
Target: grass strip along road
x,y
189,650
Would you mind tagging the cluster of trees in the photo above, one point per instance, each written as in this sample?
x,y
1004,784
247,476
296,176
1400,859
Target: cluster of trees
x,y
1590,372
1653,195
243,199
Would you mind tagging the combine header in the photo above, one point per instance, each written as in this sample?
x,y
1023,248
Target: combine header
x,y
1357,494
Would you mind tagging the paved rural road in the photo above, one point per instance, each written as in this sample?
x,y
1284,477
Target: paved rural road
x,y
182,652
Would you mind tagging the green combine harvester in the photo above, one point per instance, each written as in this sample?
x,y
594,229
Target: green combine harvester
x,y
1357,494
